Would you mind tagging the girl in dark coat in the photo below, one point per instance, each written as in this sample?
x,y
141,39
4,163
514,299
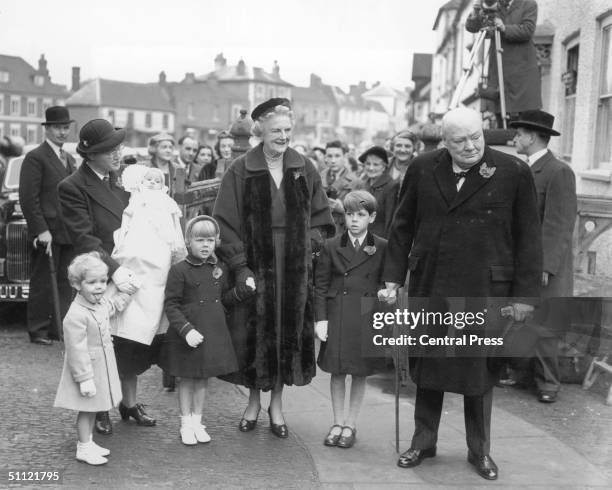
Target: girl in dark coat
x,y
382,186
198,344
348,272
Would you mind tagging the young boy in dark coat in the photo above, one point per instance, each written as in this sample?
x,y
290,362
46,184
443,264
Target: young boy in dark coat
x,y
349,269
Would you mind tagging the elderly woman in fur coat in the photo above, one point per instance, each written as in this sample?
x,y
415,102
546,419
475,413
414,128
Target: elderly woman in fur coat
x,y
273,214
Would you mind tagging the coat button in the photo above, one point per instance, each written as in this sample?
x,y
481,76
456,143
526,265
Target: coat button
x,y
201,301
216,301
346,274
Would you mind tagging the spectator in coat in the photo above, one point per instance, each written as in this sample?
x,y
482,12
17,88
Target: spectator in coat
x,y
557,206
403,146
467,227
516,21
42,170
380,184
223,147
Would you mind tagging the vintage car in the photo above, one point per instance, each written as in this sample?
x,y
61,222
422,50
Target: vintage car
x,y
15,246
14,242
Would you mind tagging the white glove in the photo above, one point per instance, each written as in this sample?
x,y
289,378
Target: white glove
x,y
521,311
88,388
125,280
388,296
194,338
250,282
321,330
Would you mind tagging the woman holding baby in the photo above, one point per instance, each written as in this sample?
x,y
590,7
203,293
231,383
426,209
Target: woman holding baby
x,y
92,207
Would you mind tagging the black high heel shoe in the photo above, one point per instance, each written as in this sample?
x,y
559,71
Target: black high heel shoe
x,y
246,425
137,413
279,430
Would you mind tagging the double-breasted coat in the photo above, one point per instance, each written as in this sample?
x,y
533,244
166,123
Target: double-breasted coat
x,y
196,293
89,355
346,286
92,211
519,61
386,190
481,242
557,207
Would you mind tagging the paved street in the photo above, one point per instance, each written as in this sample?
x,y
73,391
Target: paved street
x,y
568,444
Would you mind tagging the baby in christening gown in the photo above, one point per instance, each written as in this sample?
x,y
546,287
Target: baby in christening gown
x,y
149,241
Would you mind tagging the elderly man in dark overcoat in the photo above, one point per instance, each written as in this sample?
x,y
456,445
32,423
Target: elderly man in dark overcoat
x,y
466,226
42,169
557,206
516,21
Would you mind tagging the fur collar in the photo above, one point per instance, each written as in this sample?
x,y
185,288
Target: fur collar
x,y
255,161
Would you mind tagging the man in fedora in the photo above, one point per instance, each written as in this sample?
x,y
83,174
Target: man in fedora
x,y
42,170
557,205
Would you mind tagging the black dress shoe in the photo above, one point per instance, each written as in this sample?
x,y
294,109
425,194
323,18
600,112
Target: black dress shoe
x,y
137,413
103,424
246,425
332,439
279,430
413,457
547,397
41,340
347,442
485,466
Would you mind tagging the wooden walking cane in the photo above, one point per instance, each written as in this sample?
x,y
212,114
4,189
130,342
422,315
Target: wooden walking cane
x,y
396,359
55,296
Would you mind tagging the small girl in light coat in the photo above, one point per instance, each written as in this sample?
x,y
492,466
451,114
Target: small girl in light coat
x,y
89,381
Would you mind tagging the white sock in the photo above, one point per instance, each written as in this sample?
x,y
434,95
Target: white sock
x,y
196,418
185,421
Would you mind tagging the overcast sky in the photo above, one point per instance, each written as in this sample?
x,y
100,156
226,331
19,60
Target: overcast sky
x,y
343,41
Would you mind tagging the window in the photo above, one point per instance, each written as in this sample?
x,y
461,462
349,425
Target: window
x,y
603,145
39,80
190,111
148,119
570,79
15,106
15,130
46,104
4,76
130,120
31,107
111,116
216,113
1,104
165,121
32,133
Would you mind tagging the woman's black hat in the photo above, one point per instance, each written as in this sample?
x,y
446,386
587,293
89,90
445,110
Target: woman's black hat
x,y
268,106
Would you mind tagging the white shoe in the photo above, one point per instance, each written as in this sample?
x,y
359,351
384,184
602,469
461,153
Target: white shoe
x,y
199,430
102,451
87,453
188,436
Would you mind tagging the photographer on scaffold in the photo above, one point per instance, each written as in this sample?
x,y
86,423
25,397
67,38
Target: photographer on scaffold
x,y
516,21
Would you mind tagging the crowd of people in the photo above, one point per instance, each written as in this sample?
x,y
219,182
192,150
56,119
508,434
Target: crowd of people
x,y
297,239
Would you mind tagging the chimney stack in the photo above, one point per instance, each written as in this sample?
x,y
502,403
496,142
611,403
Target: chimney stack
x,y
42,66
276,69
220,61
315,80
162,78
241,68
76,78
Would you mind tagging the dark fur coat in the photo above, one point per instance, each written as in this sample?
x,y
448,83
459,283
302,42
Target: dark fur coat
x,y
244,212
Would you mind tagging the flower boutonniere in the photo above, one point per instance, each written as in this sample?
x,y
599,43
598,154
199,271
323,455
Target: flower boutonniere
x,y
217,272
486,171
370,249
297,174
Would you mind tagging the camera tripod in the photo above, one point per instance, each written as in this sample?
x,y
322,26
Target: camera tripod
x,y
480,39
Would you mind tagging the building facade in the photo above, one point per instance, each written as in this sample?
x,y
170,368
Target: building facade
x,y
143,109
25,94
